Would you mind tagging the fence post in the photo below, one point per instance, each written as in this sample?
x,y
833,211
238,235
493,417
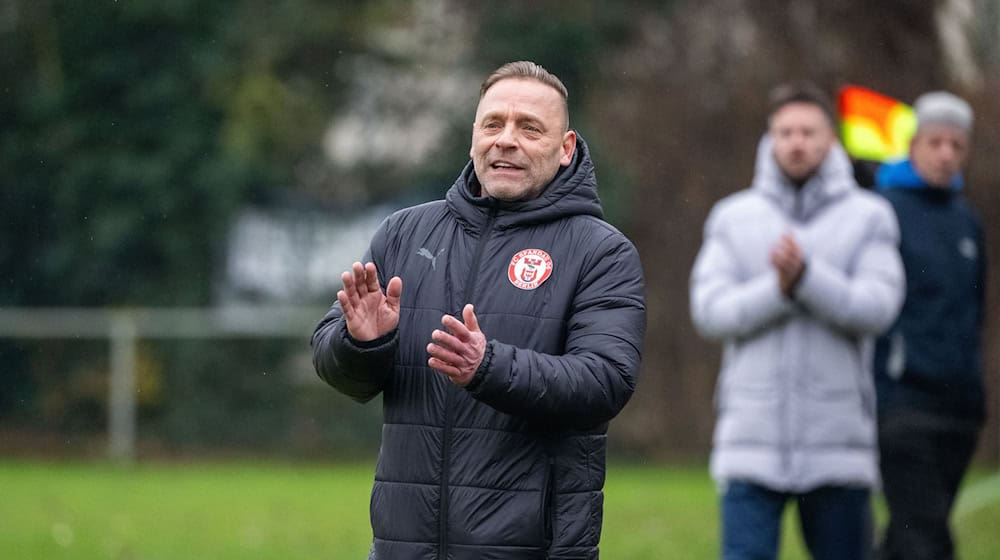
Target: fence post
x,y
121,389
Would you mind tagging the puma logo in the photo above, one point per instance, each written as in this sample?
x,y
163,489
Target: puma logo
x,y
430,256
967,248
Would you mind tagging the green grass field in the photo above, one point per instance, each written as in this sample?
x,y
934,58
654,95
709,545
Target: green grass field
x,y
228,511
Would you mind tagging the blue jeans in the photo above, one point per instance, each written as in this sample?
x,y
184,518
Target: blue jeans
x,y
836,522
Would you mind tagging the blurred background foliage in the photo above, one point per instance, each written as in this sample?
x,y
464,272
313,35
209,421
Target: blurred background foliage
x,y
135,134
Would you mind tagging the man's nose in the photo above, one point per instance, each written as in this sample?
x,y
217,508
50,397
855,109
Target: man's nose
x,y
796,140
507,137
948,153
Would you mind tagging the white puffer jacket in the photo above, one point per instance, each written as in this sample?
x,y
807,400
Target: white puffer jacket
x,y
795,396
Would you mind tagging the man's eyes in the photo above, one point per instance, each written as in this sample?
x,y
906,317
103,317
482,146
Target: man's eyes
x,y
497,125
789,132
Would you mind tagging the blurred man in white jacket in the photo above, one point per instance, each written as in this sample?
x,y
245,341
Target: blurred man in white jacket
x,y
797,275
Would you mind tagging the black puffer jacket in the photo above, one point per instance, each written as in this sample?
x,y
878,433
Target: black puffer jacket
x,y
513,468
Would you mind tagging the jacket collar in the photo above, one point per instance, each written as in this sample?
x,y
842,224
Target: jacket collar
x,y
573,191
832,180
902,175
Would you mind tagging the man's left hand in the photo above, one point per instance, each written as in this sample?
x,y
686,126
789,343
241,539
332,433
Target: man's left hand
x,y
458,351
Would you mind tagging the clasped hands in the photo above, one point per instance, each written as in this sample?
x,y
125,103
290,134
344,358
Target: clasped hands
x,y
787,259
455,352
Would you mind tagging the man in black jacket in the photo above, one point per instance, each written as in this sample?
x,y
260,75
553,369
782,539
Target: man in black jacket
x,y
508,335
928,367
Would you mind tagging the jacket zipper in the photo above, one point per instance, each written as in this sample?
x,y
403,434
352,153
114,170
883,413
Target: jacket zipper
x,y
797,210
446,437
788,359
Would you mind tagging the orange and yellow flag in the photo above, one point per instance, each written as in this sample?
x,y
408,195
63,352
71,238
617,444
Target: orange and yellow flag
x,y
873,126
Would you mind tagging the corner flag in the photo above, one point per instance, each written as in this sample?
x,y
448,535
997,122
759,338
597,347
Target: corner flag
x,y
874,127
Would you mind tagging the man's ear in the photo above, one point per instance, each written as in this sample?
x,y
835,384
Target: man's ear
x,y
568,147
472,143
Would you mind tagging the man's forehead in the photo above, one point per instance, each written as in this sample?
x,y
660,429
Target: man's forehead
x,y
942,129
798,111
521,92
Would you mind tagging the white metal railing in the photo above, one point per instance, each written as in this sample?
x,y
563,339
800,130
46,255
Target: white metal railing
x,y
123,327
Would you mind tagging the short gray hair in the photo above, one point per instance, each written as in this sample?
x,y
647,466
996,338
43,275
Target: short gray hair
x,y
941,107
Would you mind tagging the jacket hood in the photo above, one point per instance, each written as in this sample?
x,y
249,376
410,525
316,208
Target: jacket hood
x,y
833,179
573,191
902,175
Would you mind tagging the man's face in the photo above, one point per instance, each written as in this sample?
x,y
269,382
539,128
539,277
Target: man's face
x,y
938,151
519,139
802,137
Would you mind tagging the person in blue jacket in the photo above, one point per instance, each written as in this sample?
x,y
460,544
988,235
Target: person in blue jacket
x,y
508,334
928,366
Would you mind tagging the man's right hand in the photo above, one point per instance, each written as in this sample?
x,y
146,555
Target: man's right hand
x,y
369,313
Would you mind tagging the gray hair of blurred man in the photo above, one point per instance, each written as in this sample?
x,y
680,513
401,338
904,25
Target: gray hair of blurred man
x,y
941,107
527,70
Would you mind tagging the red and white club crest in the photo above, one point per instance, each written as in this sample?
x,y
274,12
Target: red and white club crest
x,y
529,268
